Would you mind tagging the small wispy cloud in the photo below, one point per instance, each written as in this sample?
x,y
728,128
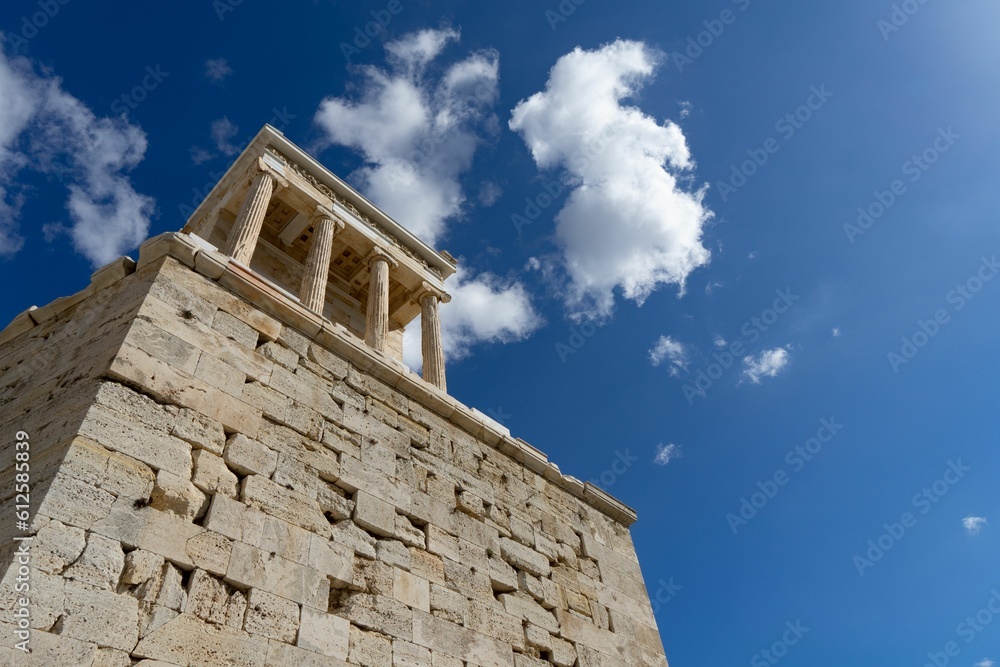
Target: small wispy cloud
x,y
668,350
217,69
719,341
985,662
766,364
666,453
836,332
974,524
223,133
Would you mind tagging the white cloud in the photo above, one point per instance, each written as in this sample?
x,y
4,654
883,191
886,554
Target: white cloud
x,y
628,223
766,364
666,453
719,341
217,69
836,332
489,193
200,155
483,309
666,349
44,128
223,132
417,130
985,662
974,524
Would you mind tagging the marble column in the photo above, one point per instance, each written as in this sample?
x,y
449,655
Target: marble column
x,y
312,293
430,336
377,317
242,239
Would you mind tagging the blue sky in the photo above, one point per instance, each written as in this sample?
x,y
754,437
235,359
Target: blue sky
x,y
744,138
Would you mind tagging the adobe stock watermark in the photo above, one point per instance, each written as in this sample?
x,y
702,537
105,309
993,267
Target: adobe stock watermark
x,y
363,35
133,98
562,12
793,634
913,169
714,27
223,7
553,189
786,127
32,23
665,592
923,502
725,358
958,298
620,465
578,337
967,631
900,15
796,459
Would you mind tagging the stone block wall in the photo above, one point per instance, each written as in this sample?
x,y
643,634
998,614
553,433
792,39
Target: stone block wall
x,y
222,483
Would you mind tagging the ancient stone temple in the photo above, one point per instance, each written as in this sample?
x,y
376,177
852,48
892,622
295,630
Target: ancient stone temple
x,y
226,463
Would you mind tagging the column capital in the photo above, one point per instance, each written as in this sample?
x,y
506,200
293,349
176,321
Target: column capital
x,y
262,167
323,213
378,252
426,290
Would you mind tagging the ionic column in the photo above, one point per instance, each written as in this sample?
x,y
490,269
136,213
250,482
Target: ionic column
x,y
377,317
242,239
431,344
312,293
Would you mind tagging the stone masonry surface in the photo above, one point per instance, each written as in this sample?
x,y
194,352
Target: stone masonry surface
x,y
220,481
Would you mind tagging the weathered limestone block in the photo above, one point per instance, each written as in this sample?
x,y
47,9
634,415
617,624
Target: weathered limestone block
x,y
271,616
279,354
295,475
56,545
335,561
209,599
379,613
427,565
523,607
409,534
210,551
279,502
280,655
109,471
100,564
524,558
251,567
235,329
448,604
135,407
200,431
329,362
235,520
411,590
48,649
273,404
350,535
488,618
470,503
522,660
100,616
140,566
249,457
563,653
109,657
333,503
393,552
75,503
406,654
150,529
190,642
456,641
374,515
155,448
369,649
178,495
503,577
324,633
211,474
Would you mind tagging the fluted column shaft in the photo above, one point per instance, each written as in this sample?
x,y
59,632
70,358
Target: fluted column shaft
x,y
242,239
377,317
314,279
430,341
